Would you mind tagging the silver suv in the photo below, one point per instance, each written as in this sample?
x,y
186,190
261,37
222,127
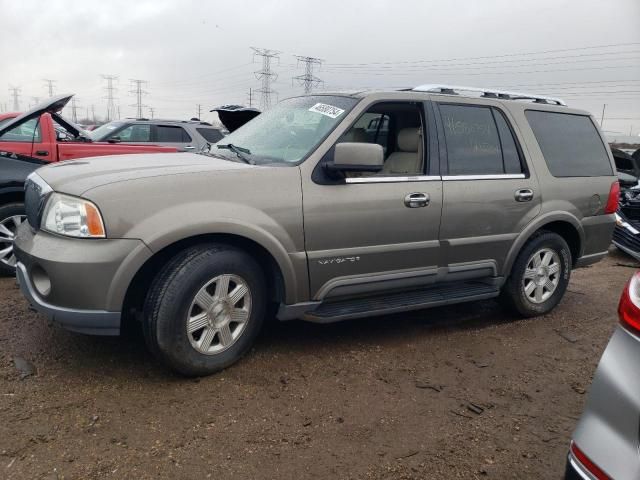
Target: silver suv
x,y
324,208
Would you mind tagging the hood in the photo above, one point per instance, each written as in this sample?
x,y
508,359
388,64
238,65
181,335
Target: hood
x,y
77,176
234,116
52,105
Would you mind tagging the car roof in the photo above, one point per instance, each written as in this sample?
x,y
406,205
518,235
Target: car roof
x,y
199,123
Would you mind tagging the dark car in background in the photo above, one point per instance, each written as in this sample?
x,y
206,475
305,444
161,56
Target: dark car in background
x,y
185,135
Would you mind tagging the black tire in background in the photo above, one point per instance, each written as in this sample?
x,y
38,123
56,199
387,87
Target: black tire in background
x,y
514,293
172,297
7,213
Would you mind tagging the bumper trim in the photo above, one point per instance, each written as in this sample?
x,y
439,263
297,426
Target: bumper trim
x,y
91,322
585,260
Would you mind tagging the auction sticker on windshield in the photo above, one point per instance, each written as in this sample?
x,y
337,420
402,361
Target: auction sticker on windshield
x,y
327,110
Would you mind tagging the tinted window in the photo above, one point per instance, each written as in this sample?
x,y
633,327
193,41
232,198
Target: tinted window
x,y
168,134
510,155
138,132
28,131
473,144
570,144
211,135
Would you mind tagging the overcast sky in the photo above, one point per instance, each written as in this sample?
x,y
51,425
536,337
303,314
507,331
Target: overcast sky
x,y
198,52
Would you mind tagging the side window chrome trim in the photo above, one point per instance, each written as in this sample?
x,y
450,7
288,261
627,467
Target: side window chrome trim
x,y
396,178
504,176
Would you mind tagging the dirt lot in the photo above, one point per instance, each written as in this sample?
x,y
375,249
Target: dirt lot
x,y
463,392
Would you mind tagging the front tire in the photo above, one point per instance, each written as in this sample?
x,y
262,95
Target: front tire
x,y
11,217
539,276
205,309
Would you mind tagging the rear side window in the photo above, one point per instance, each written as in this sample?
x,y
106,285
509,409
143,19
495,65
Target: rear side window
x,y
570,144
211,135
479,141
169,134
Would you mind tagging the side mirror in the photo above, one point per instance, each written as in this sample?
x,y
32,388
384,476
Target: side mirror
x,y
115,139
356,157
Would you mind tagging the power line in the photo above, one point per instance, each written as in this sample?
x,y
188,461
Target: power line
x,y
308,79
540,52
266,75
111,106
49,84
15,93
139,92
74,110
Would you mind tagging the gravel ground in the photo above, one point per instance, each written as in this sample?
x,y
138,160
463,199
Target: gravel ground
x,y
458,392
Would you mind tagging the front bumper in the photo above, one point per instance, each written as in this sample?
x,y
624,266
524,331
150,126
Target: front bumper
x,y
79,283
93,322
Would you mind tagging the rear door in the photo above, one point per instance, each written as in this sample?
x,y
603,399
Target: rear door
x,y
173,136
489,192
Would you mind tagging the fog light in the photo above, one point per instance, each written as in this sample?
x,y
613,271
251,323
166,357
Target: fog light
x,y
41,281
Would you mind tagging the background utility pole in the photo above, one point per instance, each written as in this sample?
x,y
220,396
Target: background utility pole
x,y
111,106
93,113
266,75
250,97
199,111
36,100
308,79
15,93
604,106
139,92
119,117
49,84
74,110
152,110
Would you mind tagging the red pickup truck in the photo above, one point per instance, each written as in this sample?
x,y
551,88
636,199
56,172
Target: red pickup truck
x,y
43,134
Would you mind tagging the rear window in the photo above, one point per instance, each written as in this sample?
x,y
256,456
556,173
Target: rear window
x,y
570,144
211,135
169,134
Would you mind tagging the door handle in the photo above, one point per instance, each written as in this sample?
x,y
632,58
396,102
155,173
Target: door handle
x,y
189,147
416,200
524,195
42,152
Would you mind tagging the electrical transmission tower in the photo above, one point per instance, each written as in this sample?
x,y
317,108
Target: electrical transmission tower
x,y
111,106
152,110
36,100
199,111
266,75
308,79
49,83
74,110
15,93
139,92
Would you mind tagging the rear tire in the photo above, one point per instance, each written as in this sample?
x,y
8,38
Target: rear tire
x,y
11,215
205,309
539,276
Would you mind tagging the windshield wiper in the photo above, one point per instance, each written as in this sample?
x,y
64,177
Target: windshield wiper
x,y
239,152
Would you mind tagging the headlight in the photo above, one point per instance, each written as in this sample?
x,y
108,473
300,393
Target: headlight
x,y
72,216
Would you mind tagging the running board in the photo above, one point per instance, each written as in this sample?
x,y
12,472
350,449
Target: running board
x,y
446,294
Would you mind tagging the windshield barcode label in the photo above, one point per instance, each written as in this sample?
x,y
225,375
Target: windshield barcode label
x,y
327,110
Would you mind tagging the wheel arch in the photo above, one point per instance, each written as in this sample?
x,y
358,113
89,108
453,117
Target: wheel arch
x,y
11,195
277,281
561,223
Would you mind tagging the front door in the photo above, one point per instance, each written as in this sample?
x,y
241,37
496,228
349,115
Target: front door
x,y
375,232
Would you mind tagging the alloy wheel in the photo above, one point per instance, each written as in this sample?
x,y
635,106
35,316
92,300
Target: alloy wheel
x,y
542,275
219,314
8,227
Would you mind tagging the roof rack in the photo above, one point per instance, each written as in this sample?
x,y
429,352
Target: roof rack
x,y
488,93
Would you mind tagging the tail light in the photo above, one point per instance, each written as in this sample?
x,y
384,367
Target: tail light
x,y
629,306
588,464
614,198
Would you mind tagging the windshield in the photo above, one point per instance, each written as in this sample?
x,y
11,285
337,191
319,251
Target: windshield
x,y
104,130
289,131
